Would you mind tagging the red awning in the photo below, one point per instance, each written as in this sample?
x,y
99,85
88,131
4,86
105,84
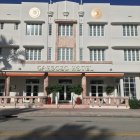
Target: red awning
x,y
104,74
64,74
21,74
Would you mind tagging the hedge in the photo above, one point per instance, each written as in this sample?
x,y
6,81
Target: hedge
x,y
134,103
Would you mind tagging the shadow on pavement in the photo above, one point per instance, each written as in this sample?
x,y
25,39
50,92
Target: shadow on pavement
x,y
7,114
65,132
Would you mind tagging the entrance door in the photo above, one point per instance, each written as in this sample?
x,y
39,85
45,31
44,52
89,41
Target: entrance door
x,y
32,87
32,90
97,90
65,94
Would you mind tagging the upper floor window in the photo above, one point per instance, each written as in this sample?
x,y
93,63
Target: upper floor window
x,y
16,26
49,53
131,55
1,26
50,28
65,29
34,29
65,54
130,30
80,29
96,30
97,54
33,54
129,87
81,54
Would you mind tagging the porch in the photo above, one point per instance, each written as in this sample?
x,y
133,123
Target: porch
x,y
41,102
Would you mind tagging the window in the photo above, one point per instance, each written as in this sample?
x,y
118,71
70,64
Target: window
x,y
96,30
2,82
65,54
97,54
81,54
131,55
65,29
16,26
50,28
49,53
34,29
33,54
130,30
80,29
129,87
1,26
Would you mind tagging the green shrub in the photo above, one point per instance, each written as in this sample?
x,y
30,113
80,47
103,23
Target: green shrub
x,y
109,90
77,89
134,103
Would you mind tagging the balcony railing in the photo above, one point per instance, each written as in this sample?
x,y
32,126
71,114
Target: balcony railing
x,y
37,101
106,101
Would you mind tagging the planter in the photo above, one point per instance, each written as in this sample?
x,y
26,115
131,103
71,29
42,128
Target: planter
x,y
56,99
78,100
49,100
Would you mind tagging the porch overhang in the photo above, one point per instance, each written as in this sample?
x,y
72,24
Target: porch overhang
x,y
64,74
104,74
21,74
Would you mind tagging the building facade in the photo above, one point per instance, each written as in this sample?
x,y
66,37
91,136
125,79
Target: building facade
x,y
67,43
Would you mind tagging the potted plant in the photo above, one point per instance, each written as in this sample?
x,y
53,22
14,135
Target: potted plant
x,y
77,89
54,90
49,91
109,90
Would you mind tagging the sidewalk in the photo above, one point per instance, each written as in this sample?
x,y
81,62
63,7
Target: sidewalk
x,y
29,112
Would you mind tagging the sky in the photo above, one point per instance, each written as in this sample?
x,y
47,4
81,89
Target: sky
x,y
112,2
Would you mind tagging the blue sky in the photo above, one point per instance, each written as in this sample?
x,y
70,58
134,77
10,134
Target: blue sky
x,y
118,2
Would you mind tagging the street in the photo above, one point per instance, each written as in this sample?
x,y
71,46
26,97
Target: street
x,y
69,128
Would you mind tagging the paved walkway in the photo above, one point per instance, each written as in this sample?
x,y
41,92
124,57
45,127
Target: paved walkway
x,y
30,112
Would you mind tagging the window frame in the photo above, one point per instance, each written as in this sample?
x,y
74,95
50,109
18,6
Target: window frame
x,y
50,29
130,30
65,29
97,30
127,84
65,54
33,54
97,54
131,55
33,29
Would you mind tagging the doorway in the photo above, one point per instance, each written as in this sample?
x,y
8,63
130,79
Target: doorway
x,y
96,88
65,93
32,87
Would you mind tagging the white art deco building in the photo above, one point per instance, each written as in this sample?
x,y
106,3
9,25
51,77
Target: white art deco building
x,y
67,43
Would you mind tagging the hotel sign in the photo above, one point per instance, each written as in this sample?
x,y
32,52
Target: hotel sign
x,y
66,68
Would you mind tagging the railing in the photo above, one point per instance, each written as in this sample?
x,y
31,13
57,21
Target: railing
x,y
27,101
34,101
106,101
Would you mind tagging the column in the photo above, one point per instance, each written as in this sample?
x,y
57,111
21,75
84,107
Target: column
x,y
84,85
115,92
121,88
137,83
7,86
45,84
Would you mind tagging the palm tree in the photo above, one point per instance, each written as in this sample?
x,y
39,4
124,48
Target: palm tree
x,y
11,55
